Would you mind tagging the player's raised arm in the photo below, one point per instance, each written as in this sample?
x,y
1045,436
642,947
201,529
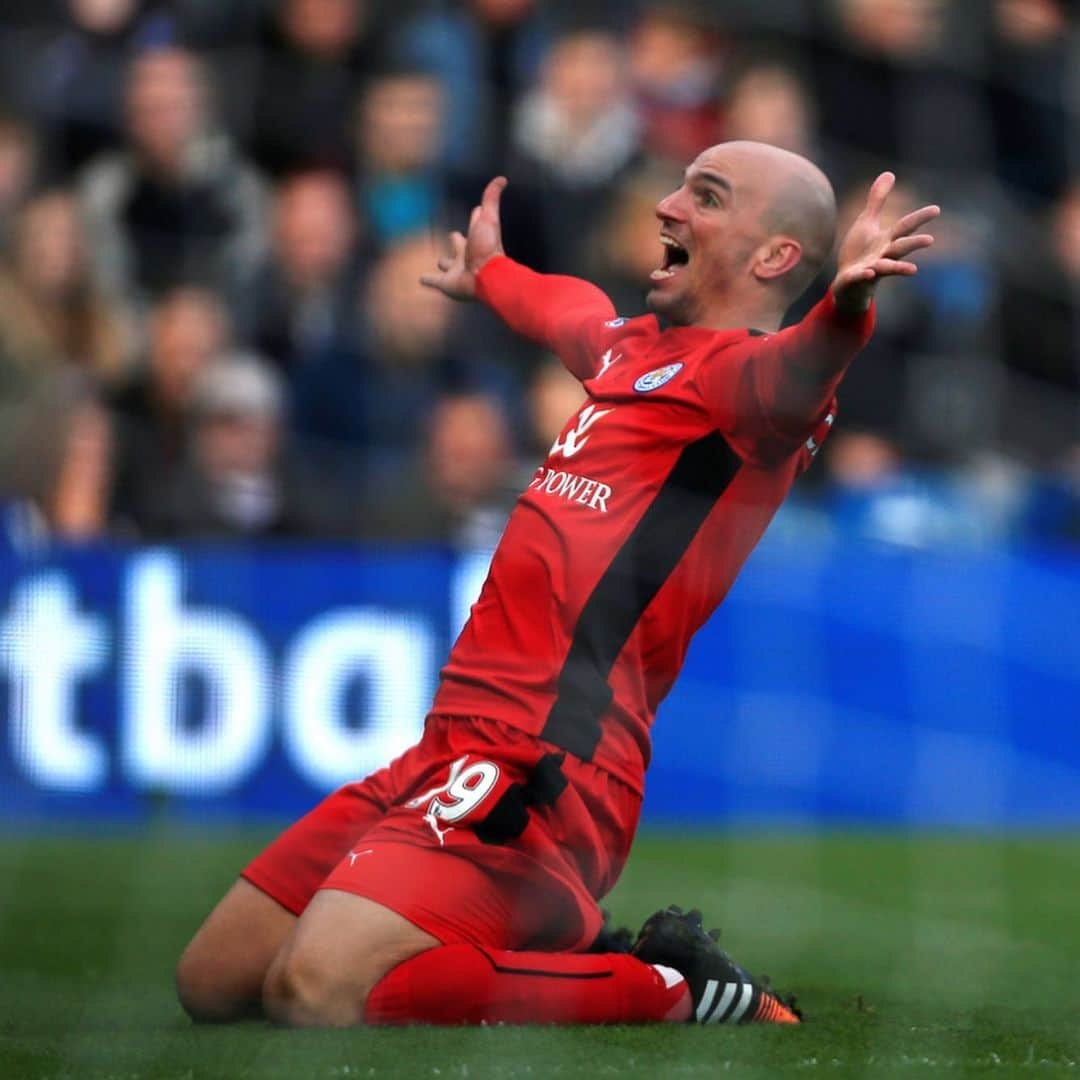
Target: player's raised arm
x,y
872,250
563,314
796,372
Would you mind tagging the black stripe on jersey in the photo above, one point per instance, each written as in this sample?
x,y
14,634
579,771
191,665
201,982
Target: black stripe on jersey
x,y
645,561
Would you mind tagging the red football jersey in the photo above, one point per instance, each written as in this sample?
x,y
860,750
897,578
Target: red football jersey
x,y
651,499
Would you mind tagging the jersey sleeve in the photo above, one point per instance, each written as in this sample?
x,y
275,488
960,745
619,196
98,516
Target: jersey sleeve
x,y
781,394
565,315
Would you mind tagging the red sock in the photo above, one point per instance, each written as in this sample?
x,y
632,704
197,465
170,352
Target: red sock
x,y
464,984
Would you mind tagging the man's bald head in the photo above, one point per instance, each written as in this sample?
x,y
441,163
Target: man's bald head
x,y
795,199
755,224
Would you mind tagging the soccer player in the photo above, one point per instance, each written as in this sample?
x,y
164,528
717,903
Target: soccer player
x,y
459,884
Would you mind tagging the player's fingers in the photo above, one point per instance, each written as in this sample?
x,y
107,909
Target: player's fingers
x,y
915,220
444,262
455,242
432,281
474,216
884,267
492,195
879,192
907,244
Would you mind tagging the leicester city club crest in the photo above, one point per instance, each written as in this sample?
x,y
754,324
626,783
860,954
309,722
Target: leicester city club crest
x,y
653,380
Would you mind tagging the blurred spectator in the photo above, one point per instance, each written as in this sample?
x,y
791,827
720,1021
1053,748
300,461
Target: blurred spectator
x,y
769,103
460,488
483,55
50,312
554,396
872,494
302,299
575,133
899,28
861,460
71,79
891,90
579,123
78,507
187,330
376,397
399,119
1031,62
484,52
677,60
311,57
55,462
238,478
179,205
1040,334
18,165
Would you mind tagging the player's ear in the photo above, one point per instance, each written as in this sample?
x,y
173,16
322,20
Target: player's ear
x,y
776,257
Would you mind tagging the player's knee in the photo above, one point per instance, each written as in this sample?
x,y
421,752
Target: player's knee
x,y
203,994
301,993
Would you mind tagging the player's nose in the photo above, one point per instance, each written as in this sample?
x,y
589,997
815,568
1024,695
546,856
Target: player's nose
x,y
669,208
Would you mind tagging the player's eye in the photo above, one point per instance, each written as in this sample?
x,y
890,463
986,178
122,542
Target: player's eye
x,y
708,197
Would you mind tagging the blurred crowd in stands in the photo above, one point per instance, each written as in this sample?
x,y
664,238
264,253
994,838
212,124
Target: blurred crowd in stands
x,y
214,215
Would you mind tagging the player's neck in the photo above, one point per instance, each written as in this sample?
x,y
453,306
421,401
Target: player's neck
x,y
738,313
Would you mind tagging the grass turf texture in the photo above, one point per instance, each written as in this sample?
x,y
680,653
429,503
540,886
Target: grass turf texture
x,y
913,956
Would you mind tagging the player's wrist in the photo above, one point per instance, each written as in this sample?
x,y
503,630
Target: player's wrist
x,y
476,266
852,299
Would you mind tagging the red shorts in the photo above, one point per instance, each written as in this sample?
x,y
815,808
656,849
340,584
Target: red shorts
x,y
479,834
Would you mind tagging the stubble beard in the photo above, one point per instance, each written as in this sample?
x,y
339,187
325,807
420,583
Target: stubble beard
x,y
679,310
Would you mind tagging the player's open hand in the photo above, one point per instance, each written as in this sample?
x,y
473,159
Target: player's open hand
x,y
459,267
873,250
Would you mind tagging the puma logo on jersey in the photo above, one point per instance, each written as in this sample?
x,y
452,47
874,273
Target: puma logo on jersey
x,y
607,360
578,436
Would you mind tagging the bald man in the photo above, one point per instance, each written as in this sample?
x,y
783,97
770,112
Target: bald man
x,y
460,884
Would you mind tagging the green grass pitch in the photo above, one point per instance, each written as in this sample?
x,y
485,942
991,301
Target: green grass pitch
x,y
912,955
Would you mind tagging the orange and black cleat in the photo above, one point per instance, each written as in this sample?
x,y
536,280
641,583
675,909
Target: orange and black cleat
x,y
721,992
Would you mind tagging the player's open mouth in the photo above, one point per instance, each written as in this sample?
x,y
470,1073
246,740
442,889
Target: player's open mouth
x,y
675,258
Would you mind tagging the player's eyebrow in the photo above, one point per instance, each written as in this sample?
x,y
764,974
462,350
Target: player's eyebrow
x,y
716,179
